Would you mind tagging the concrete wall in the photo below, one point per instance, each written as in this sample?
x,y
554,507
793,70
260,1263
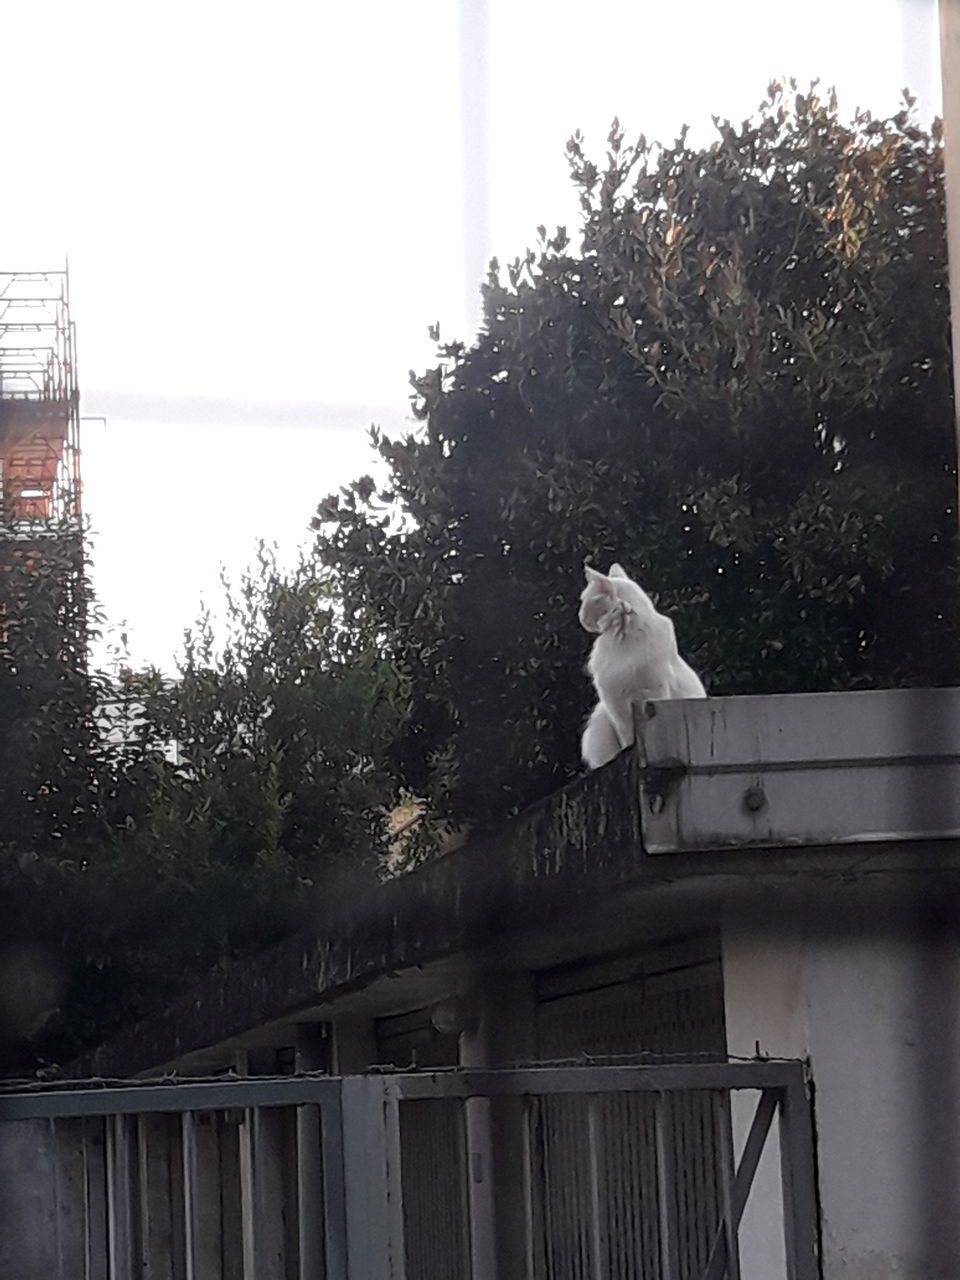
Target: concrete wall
x,y
876,1011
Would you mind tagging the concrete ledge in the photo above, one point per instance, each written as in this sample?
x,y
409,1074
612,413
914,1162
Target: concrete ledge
x,y
581,842
762,803
800,769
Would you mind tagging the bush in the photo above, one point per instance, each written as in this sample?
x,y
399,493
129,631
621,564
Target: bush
x,y
155,826
738,384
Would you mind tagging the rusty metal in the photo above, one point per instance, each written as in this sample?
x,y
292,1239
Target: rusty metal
x,y
39,398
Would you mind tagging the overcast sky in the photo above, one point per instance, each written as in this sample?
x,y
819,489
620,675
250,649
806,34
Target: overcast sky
x,y
264,207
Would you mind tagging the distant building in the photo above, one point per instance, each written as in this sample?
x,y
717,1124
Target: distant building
x,y
39,400
40,490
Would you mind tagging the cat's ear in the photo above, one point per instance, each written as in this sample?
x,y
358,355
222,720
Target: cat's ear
x,y
594,576
617,571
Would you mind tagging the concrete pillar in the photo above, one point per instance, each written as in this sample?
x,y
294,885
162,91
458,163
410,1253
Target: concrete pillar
x,y
481,1173
765,1013
311,1047
499,1030
876,1012
354,1046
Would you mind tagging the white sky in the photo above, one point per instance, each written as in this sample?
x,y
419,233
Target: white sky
x,y
265,206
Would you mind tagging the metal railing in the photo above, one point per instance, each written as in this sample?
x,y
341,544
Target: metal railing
x,y
39,398
407,1176
37,337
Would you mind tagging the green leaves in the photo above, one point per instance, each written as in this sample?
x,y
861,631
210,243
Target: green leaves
x,y
738,384
155,826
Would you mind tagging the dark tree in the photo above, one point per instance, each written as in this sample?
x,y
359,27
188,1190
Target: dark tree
x,y
739,384
155,826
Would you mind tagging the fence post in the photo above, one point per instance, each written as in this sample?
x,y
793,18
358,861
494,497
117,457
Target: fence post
x,y
798,1174
123,1235
161,1199
96,1235
191,1199
374,1211
207,1186
666,1175
311,1213
67,1145
334,1193
270,1233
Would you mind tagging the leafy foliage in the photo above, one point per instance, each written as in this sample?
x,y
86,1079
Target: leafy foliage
x,y
739,385
156,826
44,777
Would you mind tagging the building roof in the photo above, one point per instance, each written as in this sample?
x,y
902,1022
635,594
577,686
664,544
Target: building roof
x,y
722,798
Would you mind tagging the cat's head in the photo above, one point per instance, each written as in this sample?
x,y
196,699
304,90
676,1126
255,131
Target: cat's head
x,y
604,590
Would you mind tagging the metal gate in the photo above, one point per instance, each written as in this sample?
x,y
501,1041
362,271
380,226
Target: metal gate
x,y
320,1178
666,1003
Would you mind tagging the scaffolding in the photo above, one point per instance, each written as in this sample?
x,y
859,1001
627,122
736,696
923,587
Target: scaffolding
x,y
39,399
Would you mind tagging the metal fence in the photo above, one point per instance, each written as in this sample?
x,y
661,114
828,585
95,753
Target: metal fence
x,y
215,1180
544,1173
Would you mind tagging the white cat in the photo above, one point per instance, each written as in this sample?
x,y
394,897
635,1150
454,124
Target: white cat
x,y
634,657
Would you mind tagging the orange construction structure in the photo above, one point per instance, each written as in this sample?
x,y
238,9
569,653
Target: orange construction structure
x,y
39,399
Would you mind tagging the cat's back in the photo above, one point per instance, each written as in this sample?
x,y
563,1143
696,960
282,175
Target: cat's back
x,y
684,681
